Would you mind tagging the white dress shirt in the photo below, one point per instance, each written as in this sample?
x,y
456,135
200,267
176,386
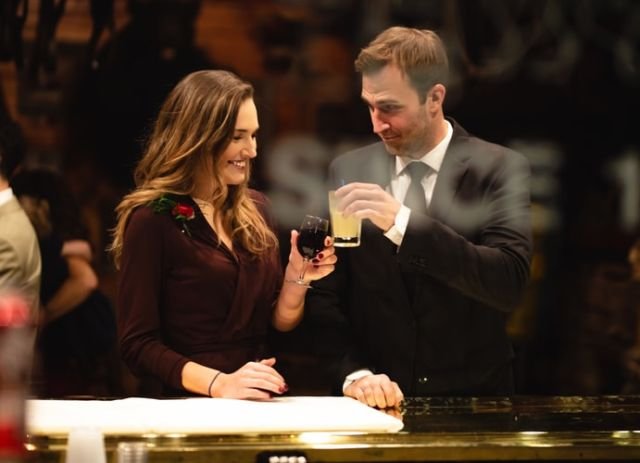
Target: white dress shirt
x,y
5,195
400,181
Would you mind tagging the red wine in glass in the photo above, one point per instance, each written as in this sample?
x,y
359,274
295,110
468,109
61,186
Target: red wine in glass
x,y
312,234
311,242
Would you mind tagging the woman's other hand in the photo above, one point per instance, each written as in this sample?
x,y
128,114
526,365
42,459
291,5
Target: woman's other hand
x,y
254,380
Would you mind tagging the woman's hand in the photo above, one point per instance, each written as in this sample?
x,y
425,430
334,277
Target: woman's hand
x,y
254,380
290,304
319,267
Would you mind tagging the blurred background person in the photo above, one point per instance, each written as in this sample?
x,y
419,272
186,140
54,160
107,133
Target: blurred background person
x,y
76,342
605,353
632,355
20,264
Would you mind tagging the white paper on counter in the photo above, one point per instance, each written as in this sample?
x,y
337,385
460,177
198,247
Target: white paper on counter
x,y
136,415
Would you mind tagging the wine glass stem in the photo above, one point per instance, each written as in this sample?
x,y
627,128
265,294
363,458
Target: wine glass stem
x,y
305,262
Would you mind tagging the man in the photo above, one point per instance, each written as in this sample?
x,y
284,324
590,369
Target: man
x,y
19,251
427,292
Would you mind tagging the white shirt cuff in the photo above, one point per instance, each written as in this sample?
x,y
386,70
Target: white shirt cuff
x,y
396,233
356,375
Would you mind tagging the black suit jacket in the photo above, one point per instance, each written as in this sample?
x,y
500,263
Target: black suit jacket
x,y
469,257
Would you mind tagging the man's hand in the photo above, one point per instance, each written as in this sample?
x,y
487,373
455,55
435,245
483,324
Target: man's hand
x,y
368,201
375,391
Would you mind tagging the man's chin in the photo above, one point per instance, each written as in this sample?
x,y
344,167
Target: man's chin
x,y
391,148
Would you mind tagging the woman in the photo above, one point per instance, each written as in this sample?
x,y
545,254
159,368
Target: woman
x,y
200,274
77,328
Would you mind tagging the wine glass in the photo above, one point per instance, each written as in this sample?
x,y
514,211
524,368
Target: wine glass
x,y
311,237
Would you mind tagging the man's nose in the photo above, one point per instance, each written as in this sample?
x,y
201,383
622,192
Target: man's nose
x,y
379,125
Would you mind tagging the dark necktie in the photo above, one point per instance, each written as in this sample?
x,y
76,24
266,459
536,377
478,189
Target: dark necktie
x,y
416,198
417,202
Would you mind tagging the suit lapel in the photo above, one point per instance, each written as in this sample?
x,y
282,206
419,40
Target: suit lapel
x,y
453,169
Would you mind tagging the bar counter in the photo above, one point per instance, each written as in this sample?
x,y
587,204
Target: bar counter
x,y
521,428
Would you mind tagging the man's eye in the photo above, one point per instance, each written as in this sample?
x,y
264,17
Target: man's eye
x,y
388,109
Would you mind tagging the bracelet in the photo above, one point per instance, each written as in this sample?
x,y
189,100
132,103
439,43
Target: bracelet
x,y
213,381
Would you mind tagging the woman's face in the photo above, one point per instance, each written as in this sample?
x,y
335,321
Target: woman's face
x,y
233,164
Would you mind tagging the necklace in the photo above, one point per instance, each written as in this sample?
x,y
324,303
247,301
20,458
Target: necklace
x,y
207,211
206,208
202,203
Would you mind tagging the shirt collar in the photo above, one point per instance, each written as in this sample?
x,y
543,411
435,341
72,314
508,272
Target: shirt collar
x,y
5,196
433,158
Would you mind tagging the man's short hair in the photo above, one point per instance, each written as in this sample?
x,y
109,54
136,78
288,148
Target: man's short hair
x,y
418,53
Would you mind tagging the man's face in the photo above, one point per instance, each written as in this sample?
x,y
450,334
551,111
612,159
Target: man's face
x,y
398,117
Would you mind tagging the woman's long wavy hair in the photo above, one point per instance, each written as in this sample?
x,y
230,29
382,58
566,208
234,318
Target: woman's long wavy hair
x,y
197,122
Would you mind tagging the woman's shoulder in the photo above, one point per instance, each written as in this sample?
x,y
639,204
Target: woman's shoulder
x,y
263,204
163,209
163,214
143,214
260,200
144,218
257,196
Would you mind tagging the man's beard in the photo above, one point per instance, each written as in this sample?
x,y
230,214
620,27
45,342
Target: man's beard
x,y
403,148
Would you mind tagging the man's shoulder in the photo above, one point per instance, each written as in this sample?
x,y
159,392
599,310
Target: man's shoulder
x,y
478,149
360,154
15,224
20,262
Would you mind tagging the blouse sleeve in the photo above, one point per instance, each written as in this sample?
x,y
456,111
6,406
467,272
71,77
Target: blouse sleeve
x,y
138,303
277,259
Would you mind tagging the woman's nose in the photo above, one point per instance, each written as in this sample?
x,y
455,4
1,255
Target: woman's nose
x,y
251,149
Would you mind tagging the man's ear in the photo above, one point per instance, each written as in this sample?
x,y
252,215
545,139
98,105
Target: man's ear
x,y
436,95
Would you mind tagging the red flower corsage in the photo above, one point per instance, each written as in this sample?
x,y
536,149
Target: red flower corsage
x,y
181,212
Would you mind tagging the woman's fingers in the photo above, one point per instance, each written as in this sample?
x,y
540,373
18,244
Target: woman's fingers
x,y
256,394
271,361
262,375
254,380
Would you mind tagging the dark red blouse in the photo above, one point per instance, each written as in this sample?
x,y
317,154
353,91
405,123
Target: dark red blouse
x,y
184,297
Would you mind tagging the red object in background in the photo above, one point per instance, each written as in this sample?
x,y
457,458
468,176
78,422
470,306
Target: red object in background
x,y
15,363
14,311
11,440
